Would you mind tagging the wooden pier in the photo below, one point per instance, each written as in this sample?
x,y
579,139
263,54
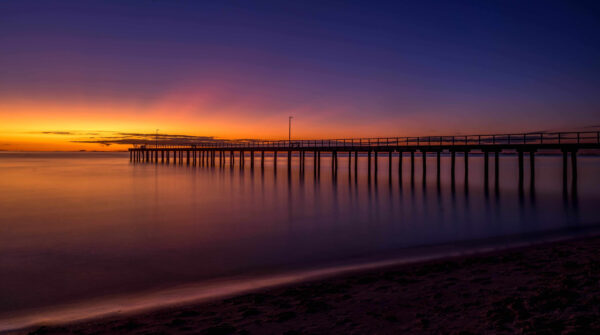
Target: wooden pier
x,y
205,153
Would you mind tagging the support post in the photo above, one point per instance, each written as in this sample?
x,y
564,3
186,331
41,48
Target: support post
x,y
412,165
334,162
376,165
485,169
564,152
319,161
574,167
424,153
520,154
437,154
369,164
400,156
532,169
452,165
496,170
466,167
349,162
390,164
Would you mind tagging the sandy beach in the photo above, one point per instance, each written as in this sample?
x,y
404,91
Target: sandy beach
x,y
551,288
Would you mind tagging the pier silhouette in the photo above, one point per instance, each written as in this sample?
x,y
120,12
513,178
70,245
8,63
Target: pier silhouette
x,y
205,153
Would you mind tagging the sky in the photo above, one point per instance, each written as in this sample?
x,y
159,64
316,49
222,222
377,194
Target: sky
x,y
94,75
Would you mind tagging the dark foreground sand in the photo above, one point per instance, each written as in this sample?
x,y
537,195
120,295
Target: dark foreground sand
x,y
546,289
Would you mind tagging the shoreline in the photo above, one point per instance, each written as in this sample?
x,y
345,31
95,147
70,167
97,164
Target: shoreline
x,y
315,305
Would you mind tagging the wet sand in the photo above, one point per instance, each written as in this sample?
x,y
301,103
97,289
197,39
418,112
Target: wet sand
x,y
550,288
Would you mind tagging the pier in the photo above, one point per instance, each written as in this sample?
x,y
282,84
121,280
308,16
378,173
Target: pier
x,y
205,153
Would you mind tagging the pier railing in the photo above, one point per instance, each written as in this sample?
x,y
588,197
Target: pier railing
x,y
589,137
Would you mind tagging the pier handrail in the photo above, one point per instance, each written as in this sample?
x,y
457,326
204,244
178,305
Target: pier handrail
x,y
537,138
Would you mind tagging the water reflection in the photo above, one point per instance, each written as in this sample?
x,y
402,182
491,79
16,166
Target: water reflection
x,y
115,226
525,205
353,174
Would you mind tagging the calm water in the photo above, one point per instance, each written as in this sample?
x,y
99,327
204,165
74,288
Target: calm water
x,y
75,227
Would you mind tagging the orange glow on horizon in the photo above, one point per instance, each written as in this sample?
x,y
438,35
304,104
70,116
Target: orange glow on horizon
x,y
57,126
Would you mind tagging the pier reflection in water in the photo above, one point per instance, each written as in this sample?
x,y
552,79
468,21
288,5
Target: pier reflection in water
x,y
81,225
221,160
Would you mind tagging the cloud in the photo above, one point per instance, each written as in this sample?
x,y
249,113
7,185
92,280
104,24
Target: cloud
x,y
593,127
150,138
596,126
55,132
107,138
121,138
70,132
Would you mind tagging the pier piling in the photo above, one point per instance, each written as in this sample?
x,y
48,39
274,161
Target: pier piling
x,y
574,167
205,154
532,169
424,154
520,154
486,175
412,165
390,164
400,156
